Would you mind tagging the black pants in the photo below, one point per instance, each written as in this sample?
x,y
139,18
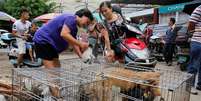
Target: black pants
x,y
168,52
46,51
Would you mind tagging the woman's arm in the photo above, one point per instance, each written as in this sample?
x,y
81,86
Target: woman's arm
x,y
78,46
65,33
104,32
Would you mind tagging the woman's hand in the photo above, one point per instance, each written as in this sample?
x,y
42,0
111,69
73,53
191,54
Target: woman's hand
x,y
77,50
109,55
80,49
84,46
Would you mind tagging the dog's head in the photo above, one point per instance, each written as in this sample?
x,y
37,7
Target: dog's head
x,y
87,56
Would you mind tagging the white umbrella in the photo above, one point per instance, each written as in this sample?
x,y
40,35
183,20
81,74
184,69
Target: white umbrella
x,y
6,17
47,17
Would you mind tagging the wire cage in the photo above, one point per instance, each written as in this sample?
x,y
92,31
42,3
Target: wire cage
x,y
77,81
137,84
56,85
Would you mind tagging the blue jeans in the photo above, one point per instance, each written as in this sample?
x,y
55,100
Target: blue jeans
x,y
29,45
194,66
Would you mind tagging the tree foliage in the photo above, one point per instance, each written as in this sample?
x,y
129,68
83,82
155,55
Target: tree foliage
x,y
35,7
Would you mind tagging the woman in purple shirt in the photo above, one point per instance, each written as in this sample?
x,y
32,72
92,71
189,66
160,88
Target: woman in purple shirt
x,y
55,36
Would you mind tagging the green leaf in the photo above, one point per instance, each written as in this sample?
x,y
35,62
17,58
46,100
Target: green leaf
x,y
36,7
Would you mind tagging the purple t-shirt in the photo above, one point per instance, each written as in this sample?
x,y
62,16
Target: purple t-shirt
x,y
50,32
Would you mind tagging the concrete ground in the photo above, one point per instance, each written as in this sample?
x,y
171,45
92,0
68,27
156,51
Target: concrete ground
x,y
5,69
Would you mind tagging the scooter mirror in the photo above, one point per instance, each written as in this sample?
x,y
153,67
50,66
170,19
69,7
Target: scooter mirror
x,y
133,29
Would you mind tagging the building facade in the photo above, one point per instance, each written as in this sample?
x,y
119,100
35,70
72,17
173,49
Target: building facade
x,y
74,5
166,12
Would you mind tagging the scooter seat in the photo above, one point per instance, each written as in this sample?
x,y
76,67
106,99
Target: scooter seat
x,y
13,61
29,63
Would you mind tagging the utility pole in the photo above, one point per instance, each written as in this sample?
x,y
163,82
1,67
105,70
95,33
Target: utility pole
x,y
85,3
60,6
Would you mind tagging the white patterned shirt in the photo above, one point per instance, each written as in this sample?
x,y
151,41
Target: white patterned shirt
x,y
196,18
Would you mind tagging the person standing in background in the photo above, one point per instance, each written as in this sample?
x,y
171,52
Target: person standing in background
x,y
29,41
20,28
170,37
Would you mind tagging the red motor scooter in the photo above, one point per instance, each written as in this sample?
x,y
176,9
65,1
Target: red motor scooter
x,y
135,50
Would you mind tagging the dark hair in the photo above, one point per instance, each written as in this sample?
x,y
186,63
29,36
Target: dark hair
x,y
172,20
34,22
24,10
85,12
108,4
105,3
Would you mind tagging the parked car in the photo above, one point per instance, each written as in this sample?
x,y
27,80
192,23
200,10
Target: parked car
x,y
8,38
2,43
3,31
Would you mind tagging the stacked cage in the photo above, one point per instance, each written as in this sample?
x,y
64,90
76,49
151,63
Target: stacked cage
x,y
72,82
135,84
124,83
77,81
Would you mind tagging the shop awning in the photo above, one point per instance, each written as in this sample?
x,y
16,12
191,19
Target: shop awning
x,y
140,13
171,8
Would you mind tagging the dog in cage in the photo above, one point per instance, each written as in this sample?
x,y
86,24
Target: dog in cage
x,y
135,84
94,91
115,86
37,91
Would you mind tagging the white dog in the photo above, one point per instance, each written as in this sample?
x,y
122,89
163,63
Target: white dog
x,y
87,56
